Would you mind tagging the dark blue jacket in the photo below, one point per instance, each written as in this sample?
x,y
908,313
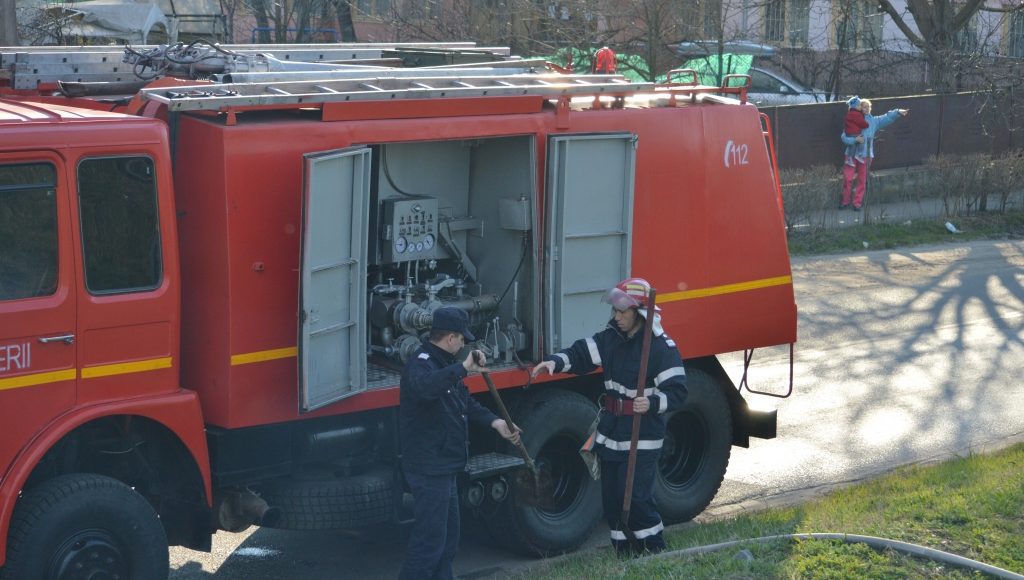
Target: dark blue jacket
x,y
435,405
619,358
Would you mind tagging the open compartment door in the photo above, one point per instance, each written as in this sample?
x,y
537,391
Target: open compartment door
x,y
589,230
332,287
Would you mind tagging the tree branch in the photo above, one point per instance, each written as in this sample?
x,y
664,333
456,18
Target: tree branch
x,y
1005,9
965,13
897,18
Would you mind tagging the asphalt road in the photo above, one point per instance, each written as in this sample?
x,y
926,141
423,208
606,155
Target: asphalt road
x,y
903,357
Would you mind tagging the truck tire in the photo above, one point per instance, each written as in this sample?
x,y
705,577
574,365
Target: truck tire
x,y
327,502
84,525
563,515
698,441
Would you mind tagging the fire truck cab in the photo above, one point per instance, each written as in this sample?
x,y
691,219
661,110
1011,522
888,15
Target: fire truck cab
x,y
206,299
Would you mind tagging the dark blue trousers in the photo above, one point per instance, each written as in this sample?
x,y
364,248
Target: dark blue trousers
x,y
435,534
644,520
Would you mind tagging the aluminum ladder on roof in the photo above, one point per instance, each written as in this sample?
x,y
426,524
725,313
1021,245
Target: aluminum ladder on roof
x,y
388,88
29,66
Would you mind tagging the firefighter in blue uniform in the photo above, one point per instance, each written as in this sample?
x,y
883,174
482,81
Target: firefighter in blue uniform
x,y
434,408
617,350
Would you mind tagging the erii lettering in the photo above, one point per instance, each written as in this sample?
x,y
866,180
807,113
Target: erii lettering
x,y
15,357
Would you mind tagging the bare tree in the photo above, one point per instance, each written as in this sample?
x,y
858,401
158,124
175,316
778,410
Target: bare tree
x,y
939,25
343,16
648,28
299,21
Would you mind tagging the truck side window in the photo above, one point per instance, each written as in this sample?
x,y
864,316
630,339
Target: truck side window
x,y
28,230
120,228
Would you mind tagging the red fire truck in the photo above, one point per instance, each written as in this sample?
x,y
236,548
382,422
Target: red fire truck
x,y
208,287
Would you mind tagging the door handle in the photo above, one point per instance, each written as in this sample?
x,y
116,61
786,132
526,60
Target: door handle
x,y
65,338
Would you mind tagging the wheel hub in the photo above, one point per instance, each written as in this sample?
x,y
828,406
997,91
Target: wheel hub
x,y
683,453
89,555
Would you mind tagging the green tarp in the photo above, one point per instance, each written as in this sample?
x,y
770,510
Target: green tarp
x,y
711,68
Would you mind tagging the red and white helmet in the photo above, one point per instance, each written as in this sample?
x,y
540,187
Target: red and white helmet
x,y
630,293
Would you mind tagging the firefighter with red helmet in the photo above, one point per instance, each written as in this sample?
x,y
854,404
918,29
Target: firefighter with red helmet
x,y
617,350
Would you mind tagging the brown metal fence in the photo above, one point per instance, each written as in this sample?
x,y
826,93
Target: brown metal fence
x,y
808,135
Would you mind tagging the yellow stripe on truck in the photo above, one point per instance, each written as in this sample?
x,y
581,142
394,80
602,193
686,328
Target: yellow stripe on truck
x,y
126,368
37,379
725,289
264,355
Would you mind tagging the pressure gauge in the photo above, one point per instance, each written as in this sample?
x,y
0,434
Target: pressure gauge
x,y
428,241
419,246
400,245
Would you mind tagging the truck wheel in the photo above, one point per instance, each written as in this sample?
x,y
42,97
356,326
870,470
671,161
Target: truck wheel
x,y
698,441
559,515
85,526
327,502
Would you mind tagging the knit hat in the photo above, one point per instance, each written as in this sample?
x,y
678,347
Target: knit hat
x,y
854,102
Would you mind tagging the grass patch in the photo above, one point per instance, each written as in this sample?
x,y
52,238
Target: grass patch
x,y
884,236
972,507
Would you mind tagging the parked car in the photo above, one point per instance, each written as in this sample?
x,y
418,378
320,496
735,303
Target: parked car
x,y
768,89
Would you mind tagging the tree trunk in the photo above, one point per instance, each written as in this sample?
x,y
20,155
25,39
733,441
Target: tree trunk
x,y
280,24
940,71
343,10
303,30
259,10
8,23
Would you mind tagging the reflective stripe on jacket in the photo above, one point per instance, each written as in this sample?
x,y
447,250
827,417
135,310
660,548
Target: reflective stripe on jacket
x,y
619,358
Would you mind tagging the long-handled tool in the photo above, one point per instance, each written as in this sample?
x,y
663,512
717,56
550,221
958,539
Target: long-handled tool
x,y
641,380
508,421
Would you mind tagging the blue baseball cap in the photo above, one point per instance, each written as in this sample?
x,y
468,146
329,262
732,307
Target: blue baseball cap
x,y
453,319
854,102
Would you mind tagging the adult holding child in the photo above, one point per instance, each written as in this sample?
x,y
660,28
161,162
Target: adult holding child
x,y
860,148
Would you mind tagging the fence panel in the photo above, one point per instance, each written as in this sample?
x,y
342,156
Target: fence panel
x,y
808,135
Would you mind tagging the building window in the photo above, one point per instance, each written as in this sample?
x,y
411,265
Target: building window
x,y
775,21
1015,35
701,19
712,10
117,206
858,24
966,39
28,230
372,8
799,23
787,21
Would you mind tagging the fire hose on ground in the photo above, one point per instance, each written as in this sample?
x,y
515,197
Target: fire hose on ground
x,y
877,543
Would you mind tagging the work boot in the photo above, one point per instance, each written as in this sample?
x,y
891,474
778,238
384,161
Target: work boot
x,y
624,550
